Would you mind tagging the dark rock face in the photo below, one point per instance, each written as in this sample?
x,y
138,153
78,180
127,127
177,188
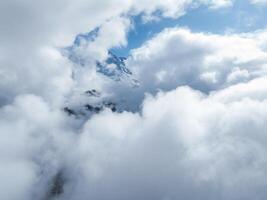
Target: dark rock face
x,y
111,105
90,108
69,111
95,109
99,108
57,186
93,93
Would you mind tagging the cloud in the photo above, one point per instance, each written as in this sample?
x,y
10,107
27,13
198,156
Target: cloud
x,y
176,8
34,138
258,2
184,144
215,4
28,27
197,121
203,61
31,34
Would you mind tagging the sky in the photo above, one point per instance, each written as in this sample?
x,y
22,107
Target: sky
x,y
133,99
241,17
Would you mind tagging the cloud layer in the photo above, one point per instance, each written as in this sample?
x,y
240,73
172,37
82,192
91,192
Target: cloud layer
x,y
193,129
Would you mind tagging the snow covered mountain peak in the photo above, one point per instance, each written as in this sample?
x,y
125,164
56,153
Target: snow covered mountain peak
x,y
114,67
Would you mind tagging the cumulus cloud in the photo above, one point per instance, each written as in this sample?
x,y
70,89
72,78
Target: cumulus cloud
x,y
34,138
175,8
205,62
184,144
193,129
29,27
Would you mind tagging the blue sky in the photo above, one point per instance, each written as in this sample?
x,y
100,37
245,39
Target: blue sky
x,y
241,17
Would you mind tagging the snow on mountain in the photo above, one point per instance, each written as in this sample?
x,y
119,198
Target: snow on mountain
x,y
85,103
113,67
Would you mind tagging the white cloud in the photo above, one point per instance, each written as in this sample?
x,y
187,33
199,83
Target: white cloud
x,y
28,27
255,89
258,2
202,61
176,8
35,141
237,75
215,4
205,140
184,144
